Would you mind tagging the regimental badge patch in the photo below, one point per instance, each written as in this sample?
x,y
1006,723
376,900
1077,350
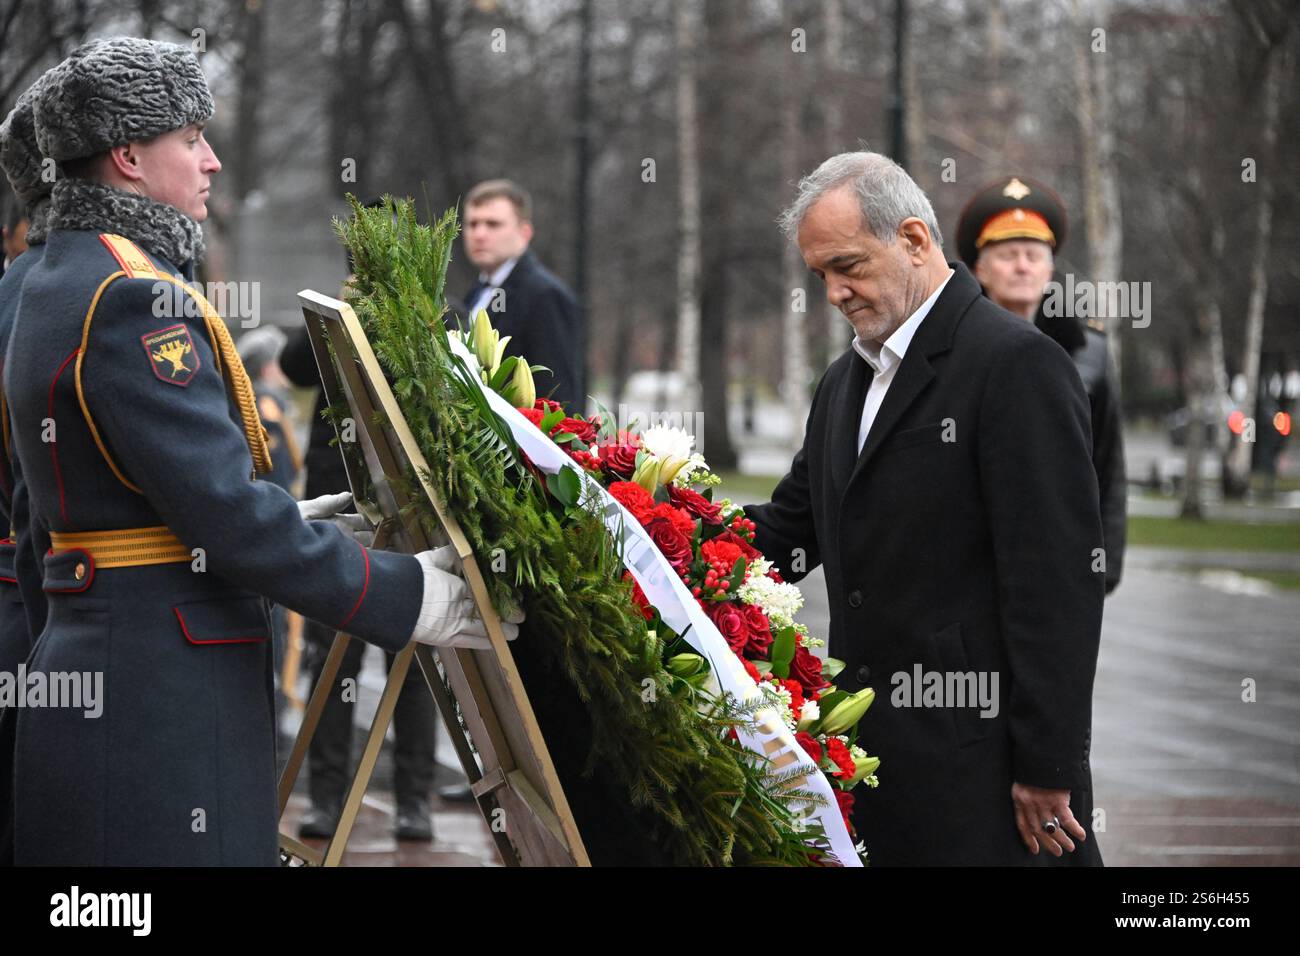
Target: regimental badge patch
x,y
172,355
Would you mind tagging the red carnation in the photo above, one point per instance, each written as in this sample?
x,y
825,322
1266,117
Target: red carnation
x,y
533,415
730,621
752,671
806,668
638,597
634,498
809,743
696,504
584,429
760,631
746,548
796,697
619,459
719,551
838,752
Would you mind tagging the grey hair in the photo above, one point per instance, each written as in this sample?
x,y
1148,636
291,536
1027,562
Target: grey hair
x,y
886,195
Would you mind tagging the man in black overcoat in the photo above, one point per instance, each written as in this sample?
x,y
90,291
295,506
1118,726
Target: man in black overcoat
x,y
945,485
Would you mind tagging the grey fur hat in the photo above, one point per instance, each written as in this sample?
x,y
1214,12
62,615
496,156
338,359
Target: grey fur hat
x,y
116,91
19,156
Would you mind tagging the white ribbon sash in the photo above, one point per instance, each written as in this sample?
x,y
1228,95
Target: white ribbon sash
x,y
680,611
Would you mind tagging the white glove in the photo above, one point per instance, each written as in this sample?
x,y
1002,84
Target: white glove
x,y
448,615
355,526
326,506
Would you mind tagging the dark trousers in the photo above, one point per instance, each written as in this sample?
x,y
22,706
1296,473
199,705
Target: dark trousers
x,y
330,755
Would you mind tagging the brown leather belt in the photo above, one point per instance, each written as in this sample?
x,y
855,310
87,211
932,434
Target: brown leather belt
x,y
128,548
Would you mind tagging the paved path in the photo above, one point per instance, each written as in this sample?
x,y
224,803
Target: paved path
x,y
1186,772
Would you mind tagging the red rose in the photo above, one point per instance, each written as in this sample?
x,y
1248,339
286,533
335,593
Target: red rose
x,y
584,429
760,631
839,755
775,575
676,547
533,415
678,518
696,504
809,743
730,621
721,552
634,498
845,800
807,670
546,406
619,459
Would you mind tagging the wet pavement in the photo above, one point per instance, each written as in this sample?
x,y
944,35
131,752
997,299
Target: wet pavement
x,y
1186,772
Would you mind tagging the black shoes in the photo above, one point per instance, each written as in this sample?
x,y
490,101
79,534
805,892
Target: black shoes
x,y
413,822
456,793
318,823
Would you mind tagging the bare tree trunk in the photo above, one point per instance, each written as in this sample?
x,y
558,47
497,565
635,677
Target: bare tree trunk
x,y
1200,380
914,112
717,197
1238,479
833,26
252,75
1102,215
686,24
794,308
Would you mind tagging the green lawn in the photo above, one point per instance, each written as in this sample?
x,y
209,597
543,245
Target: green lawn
x,y
1151,532
1286,580
1213,535
746,489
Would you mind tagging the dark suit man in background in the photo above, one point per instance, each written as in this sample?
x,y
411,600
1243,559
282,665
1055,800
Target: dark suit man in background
x,y
1008,236
945,484
523,298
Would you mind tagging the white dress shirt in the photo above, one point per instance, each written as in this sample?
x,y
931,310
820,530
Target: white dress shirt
x,y
493,283
885,359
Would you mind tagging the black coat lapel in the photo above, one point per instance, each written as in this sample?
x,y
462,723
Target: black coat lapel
x,y
852,392
932,338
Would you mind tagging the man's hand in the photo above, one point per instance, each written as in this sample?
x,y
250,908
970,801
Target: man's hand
x,y
1036,807
448,615
355,526
326,506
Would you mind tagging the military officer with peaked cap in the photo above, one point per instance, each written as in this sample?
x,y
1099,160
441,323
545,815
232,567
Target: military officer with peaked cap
x,y
1008,235
138,432
21,598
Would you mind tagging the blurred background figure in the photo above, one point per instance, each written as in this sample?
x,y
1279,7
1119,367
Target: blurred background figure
x,y
260,351
330,756
523,298
13,232
1008,236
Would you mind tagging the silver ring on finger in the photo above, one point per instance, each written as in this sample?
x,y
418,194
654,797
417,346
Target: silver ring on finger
x,y
1052,825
